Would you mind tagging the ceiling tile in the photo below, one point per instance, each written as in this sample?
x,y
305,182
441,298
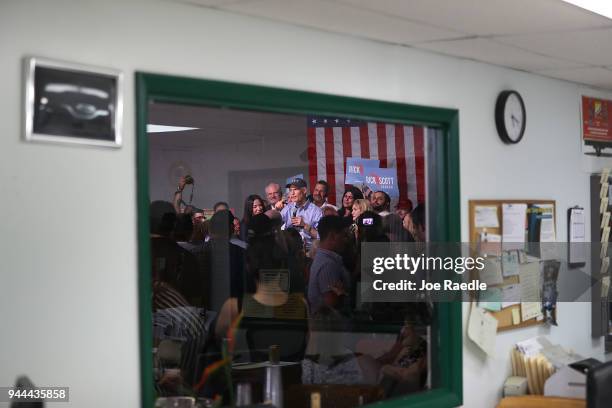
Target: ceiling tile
x,y
485,17
593,47
210,3
599,77
344,19
495,53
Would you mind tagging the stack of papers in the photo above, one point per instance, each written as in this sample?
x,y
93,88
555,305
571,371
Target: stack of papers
x,y
537,359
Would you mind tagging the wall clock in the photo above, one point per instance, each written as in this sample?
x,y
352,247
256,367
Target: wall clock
x,y
510,117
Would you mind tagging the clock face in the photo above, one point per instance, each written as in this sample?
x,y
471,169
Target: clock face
x,y
514,117
510,117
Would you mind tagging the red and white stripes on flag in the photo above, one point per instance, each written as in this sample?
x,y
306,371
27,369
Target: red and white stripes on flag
x,y
332,140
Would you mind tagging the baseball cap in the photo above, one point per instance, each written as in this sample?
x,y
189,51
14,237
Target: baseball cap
x,y
297,182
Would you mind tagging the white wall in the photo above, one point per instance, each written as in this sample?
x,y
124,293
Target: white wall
x,y
212,167
68,297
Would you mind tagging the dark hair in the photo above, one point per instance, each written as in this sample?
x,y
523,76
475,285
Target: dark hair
x,y
323,183
221,224
394,228
183,227
293,240
329,224
220,203
200,231
370,227
162,217
357,194
418,216
387,197
259,226
248,207
263,253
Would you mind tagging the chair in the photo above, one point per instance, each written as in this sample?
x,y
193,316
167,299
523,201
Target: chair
x,y
599,386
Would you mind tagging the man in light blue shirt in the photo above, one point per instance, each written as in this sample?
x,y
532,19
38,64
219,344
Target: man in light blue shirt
x,y
301,214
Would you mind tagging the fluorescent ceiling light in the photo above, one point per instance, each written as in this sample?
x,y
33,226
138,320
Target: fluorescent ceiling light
x,y
164,128
602,7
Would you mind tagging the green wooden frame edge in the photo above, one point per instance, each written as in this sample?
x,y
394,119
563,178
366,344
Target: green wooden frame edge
x,y
184,90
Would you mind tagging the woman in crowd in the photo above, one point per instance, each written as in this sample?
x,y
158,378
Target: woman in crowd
x,y
269,265
415,223
348,198
253,205
360,206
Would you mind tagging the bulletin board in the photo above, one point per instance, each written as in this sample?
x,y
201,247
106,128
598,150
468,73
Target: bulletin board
x,y
504,316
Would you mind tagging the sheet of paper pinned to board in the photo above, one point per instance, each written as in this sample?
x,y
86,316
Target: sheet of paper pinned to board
x,y
511,295
530,290
490,244
530,310
510,263
513,225
482,330
516,316
577,236
491,274
491,299
486,216
547,223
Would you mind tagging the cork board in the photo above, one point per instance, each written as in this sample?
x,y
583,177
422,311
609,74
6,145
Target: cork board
x,y
504,316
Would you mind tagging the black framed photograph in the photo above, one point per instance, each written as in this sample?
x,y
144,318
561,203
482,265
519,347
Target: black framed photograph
x,y
72,103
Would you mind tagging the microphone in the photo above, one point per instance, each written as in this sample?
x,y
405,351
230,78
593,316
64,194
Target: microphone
x,y
293,215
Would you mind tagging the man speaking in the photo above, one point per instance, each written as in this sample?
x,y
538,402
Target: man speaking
x,y
301,214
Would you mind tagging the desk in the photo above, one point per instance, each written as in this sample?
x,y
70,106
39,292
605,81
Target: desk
x,y
538,401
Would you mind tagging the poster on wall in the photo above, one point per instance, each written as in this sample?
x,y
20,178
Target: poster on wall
x,y
355,169
596,125
380,179
72,103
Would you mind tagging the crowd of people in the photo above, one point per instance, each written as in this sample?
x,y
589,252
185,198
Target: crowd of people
x,y
292,258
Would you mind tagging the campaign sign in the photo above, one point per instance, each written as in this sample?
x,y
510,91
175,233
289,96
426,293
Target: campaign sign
x,y
378,179
355,169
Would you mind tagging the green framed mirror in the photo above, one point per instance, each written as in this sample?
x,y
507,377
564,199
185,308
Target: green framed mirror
x,y
446,341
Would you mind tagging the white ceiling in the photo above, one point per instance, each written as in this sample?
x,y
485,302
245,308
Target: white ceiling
x,y
546,37
218,126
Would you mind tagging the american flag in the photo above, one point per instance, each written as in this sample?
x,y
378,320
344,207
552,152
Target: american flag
x,y
332,140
